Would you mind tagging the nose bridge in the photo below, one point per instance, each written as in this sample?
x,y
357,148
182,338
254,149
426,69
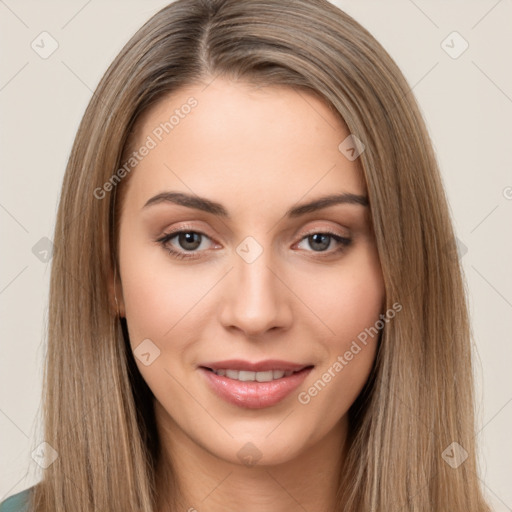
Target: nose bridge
x,y
256,299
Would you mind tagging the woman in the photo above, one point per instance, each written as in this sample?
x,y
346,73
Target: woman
x,y
255,368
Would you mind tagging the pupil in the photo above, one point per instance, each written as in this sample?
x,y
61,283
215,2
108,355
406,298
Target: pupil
x,y
316,240
188,238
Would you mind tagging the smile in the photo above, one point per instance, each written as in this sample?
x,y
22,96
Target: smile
x,y
254,385
248,376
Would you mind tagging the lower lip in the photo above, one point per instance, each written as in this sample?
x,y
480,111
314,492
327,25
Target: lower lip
x,y
252,394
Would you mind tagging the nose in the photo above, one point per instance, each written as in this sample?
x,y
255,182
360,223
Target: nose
x,y
256,298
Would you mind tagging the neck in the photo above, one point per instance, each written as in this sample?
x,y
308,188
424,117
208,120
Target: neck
x,y
192,479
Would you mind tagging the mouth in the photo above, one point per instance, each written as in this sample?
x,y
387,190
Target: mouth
x,y
254,385
249,376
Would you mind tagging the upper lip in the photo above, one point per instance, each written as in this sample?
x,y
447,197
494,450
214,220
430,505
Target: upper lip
x,y
260,366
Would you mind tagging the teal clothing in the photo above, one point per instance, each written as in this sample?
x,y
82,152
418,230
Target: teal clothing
x,y
16,503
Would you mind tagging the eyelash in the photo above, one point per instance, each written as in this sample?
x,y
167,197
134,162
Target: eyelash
x,y
167,237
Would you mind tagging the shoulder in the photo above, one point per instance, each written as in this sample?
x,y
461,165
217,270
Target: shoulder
x,y
16,503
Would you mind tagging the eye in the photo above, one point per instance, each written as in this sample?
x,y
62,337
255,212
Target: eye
x,y
320,241
188,240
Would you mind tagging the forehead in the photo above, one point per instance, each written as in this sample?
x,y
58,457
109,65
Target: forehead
x,y
237,141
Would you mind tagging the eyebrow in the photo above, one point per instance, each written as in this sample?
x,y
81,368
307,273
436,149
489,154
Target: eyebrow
x,y
201,203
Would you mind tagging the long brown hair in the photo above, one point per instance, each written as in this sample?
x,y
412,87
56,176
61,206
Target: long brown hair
x,y
419,398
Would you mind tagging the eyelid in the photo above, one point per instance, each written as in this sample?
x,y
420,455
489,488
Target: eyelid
x,y
314,230
326,231
184,228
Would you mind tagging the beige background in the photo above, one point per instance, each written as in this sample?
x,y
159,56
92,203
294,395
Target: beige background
x,y
467,103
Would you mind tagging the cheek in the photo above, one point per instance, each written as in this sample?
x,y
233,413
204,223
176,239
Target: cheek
x,y
352,309
157,297
360,308
159,302
353,298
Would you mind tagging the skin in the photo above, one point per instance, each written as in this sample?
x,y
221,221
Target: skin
x,y
258,152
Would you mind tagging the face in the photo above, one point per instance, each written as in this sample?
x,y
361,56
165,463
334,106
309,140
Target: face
x,y
247,310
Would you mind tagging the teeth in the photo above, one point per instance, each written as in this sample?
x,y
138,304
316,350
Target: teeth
x,y
247,376
232,374
264,376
